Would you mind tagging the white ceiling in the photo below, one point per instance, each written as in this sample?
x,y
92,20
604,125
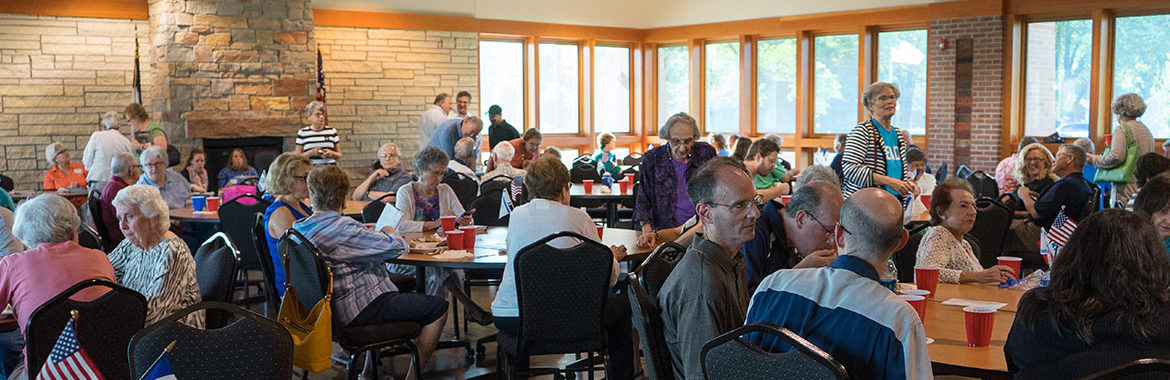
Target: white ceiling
x,y
619,13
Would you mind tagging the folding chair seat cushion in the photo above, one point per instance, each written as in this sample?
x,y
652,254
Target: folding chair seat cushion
x,y
357,336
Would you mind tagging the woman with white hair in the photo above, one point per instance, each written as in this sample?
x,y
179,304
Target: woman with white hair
x,y
103,145
502,155
64,174
152,260
318,141
48,223
662,201
1128,108
875,149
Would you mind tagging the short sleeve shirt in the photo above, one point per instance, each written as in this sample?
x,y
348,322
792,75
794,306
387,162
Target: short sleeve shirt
x,y
893,158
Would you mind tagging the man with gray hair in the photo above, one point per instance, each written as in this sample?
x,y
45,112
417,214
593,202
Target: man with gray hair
x,y
502,157
103,145
706,295
794,235
818,173
174,188
449,132
126,172
464,161
1069,193
436,113
842,308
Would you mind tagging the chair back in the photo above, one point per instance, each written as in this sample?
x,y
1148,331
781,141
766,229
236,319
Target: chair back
x,y
906,257
235,219
104,326
657,267
648,321
217,262
251,347
303,267
1092,203
983,184
88,238
634,158
267,266
1147,367
371,211
583,168
103,231
993,220
562,313
942,173
465,187
487,210
730,357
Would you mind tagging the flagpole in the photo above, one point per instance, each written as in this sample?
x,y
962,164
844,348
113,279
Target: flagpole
x,y
158,359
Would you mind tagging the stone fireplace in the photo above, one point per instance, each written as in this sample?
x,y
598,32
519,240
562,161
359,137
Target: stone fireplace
x,y
231,68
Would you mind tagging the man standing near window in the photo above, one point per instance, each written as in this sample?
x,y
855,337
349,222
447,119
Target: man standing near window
x,y
500,130
462,100
432,117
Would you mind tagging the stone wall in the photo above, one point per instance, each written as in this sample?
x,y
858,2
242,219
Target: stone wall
x,y
986,90
379,82
57,76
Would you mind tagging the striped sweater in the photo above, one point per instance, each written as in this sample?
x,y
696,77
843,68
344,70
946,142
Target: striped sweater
x,y
864,157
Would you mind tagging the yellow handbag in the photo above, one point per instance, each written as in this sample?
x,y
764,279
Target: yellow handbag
x,y
312,330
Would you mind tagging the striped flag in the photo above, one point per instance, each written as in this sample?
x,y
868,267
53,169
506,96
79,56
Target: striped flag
x,y
161,368
321,84
68,360
505,203
137,91
1062,228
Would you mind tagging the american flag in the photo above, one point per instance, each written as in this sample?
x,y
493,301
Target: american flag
x,y
1062,228
136,93
68,360
321,83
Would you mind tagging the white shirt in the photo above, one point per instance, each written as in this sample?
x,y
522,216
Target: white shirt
x,y
531,222
431,118
100,150
461,168
927,183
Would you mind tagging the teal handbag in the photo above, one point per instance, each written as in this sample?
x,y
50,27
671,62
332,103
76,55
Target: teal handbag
x,y
1124,172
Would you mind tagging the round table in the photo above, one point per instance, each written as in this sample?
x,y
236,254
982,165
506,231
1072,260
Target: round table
x,y
187,214
491,251
20,195
945,324
612,199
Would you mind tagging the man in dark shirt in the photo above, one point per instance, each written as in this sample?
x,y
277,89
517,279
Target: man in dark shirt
x,y
500,130
798,235
1070,193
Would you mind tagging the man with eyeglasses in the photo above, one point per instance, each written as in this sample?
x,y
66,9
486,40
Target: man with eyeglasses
x,y
796,235
706,294
842,309
174,188
386,177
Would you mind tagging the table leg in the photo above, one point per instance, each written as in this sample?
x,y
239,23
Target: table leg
x,y
611,207
420,279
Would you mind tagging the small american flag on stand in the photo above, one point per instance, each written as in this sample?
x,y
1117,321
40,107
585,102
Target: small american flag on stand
x,y
1062,228
321,84
68,360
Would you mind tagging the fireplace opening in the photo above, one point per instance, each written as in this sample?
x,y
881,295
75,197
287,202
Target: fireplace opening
x,y
260,151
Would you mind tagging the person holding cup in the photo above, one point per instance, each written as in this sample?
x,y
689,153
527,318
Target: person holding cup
x,y
952,213
1105,306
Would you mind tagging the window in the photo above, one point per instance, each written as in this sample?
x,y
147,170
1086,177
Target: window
x,y
673,82
1141,65
721,111
776,86
902,61
1056,85
558,88
835,84
501,79
611,89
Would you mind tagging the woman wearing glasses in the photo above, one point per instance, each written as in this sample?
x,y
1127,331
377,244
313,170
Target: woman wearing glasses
x,y
875,151
386,177
286,181
662,200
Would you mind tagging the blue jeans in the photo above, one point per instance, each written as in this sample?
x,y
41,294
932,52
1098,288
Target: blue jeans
x,y
11,351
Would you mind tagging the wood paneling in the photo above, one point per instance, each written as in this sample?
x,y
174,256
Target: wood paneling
x,y
130,9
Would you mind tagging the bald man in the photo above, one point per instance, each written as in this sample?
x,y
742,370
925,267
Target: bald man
x,y
842,308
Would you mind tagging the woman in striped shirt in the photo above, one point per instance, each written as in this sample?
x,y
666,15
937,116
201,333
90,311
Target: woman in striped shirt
x,y
318,141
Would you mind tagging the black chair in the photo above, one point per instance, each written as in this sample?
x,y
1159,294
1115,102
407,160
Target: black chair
x,y
217,262
993,221
657,267
306,271
104,326
1092,203
905,258
95,209
730,357
1147,367
559,314
267,267
7,183
236,221
250,347
942,173
465,187
633,159
583,168
88,238
373,210
983,184
648,321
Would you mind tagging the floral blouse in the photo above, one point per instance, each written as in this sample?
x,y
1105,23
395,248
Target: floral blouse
x,y
165,275
940,248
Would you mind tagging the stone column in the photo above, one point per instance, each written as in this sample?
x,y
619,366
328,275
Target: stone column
x,y
231,68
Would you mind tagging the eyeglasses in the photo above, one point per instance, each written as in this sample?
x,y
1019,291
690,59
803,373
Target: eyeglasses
x,y
301,177
160,163
823,226
738,207
843,228
136,166
677,142
387,155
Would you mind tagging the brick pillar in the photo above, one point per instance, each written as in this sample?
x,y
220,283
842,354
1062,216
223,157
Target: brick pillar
x,y
231,68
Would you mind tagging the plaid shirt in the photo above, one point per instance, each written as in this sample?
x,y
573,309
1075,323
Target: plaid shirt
x,y
357,256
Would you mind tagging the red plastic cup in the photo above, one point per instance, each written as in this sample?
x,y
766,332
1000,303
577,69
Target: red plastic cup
x,y
447,222
369,225
926,277
454,239
1108,140
980,320
919,304
588,184
1011,261
784,199
630,177
926,200
600,231
625,185
212,203
468,237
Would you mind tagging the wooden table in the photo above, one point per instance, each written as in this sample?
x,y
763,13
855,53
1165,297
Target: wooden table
x,y
945,324
20,195
491,251
187,214
612,199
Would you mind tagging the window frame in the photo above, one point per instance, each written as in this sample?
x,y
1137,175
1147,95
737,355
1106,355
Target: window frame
x,y
523,73
580,45
632,66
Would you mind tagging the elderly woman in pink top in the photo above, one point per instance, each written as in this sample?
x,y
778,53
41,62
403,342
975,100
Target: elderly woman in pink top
x,y
48,225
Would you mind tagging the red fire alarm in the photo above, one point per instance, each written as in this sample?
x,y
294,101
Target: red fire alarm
x,y
942,44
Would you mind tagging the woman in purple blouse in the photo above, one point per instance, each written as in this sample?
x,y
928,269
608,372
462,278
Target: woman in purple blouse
x,y
662,200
